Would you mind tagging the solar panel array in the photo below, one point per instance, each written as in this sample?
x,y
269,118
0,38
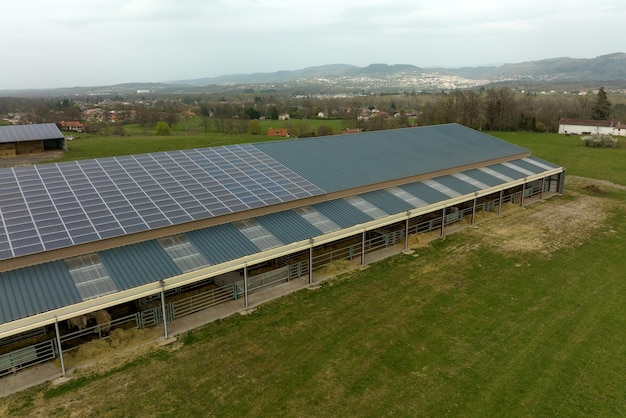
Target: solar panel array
x,y
58,205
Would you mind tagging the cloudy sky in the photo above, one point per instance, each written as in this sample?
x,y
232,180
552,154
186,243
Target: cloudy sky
x,y
65,43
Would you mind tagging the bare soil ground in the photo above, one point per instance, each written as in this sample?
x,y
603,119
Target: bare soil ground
x,y
30,159
545,228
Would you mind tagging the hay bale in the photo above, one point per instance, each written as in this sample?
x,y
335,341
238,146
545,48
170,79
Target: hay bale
x,y
422,240
339,266
122,338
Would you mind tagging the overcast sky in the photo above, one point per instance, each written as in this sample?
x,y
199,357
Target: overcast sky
x,y
66,43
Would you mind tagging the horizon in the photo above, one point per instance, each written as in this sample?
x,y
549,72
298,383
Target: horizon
x,y
67,43
181,80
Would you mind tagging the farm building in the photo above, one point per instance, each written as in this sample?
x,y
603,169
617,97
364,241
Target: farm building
x,y
588,127
28,139
278,132
86,236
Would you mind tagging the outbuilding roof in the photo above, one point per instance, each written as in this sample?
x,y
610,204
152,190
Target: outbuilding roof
x,y
20,133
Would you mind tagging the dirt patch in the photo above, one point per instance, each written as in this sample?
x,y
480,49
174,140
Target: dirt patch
x,y
30,159
594,189
546,227
122,346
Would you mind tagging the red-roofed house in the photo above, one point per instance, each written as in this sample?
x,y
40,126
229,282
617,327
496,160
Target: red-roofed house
x,y
281,132
71,125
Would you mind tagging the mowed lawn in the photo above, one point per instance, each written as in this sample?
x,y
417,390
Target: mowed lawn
x,y
461,329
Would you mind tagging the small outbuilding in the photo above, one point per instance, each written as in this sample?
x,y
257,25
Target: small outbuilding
x,y
30,139
569,126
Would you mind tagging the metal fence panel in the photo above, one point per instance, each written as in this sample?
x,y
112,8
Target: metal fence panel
x,y
25,357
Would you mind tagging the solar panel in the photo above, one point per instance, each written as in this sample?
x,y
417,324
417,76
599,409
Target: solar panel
x,y
96,199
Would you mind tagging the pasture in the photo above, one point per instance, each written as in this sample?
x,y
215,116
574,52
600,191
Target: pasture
x,y
524,315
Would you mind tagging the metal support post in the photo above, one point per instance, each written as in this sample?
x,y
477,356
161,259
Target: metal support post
x,y
474,212
245,286
406,233
311,264
58,335
521,203
443,222
543,186
500,203
363,249
165,332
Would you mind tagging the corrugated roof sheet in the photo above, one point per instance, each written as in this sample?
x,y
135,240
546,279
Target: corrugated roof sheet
x,y
342,162
19,133
35,289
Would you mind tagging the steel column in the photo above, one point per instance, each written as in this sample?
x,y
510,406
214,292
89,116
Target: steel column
x,y
474,212
58,335
363,249
406,233
443,221
245,286
311,264
500,203
165,332
521,203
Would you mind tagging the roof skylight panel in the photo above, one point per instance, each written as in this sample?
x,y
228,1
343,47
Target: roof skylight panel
x,y
183,253
441,188
537,163
518,168
366,207
257,234
317,219
476,183
496,174
407,197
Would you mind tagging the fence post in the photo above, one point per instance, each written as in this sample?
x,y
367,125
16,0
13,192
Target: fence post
x,y
56,330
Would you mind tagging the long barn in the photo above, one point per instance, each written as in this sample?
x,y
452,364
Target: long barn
x,y
86,236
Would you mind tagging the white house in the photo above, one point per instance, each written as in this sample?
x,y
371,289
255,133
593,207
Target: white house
x,y
589,126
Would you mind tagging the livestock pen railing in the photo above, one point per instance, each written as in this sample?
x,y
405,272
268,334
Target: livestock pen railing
x,y
26,357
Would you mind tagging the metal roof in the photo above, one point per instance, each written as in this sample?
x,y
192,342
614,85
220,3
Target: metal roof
x,y
41,288
52,206
20,133
342,162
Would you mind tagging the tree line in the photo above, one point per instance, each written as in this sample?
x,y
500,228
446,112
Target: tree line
x,y
501,108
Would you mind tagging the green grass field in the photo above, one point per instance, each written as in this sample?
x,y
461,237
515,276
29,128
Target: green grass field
x,y
464,329
138,140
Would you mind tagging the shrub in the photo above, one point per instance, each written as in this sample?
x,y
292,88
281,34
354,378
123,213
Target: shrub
x,y
599,141
162,129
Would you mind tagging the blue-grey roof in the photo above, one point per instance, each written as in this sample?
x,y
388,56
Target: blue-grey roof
x,y
347,161
20,133
52,206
